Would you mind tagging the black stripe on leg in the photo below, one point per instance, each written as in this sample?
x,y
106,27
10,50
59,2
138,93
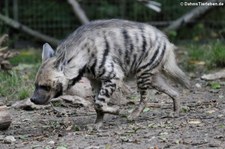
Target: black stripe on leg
x,y
101,99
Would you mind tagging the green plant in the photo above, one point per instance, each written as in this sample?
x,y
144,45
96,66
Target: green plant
x,y
18,83
218,54
209,55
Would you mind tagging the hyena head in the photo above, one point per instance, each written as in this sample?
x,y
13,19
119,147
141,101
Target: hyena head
x,y
50,81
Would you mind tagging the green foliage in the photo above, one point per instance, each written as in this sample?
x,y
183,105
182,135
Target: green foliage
x,y
19,82
30,56
210,55
215,85
218,54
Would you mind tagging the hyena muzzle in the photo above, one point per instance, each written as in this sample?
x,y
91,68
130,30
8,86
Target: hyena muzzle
x,y
107,52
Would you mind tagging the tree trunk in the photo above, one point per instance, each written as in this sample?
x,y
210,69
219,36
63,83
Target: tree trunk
x,y
78,11
190,16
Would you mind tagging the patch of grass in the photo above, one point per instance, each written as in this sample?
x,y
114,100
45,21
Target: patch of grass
x,y
215,85
30,56
18,84
209,55
218,54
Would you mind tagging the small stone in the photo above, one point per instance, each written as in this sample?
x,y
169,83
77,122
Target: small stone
x,y
9,139
198,85
2,137
5,118
194,121
214,143
51,142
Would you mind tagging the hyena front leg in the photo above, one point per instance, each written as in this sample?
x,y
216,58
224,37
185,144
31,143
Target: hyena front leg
x,y
101,101
96,86
107,89
159,84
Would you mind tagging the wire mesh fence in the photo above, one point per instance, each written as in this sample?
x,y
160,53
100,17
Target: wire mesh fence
x,y
56,18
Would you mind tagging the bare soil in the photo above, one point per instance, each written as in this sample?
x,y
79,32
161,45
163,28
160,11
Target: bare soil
x,y
201,124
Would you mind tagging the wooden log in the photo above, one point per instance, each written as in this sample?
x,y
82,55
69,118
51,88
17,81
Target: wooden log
x,y
5,118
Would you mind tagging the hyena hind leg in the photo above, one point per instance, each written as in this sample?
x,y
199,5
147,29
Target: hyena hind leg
x,y
159,84
143,84
138,110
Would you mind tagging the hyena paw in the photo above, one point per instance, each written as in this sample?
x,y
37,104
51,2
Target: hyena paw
x,y
95,127
174,114
98,126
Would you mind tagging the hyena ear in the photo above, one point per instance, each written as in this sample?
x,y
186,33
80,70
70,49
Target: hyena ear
x,y
47,52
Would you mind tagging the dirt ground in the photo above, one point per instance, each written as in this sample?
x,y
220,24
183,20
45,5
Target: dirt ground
x,y
201,124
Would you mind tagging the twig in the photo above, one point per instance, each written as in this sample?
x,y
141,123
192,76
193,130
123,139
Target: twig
x,y
78,11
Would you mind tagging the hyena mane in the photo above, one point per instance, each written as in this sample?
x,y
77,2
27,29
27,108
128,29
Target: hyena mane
x,y
108,51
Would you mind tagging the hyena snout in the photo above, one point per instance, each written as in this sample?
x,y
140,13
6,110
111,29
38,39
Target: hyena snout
x,y
40,98
38,101
35,100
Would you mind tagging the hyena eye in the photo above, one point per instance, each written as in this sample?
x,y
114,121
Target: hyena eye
x,y
45,87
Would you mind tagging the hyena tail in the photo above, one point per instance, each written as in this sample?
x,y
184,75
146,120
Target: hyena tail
x,y
171,69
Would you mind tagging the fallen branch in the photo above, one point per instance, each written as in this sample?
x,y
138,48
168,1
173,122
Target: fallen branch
x,y
73,100
78,11
28,30
192,15
28,105
214,76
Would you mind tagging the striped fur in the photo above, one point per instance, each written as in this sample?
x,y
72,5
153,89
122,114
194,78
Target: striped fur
x,y
107,52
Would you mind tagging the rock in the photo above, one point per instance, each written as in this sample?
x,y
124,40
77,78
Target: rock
x,y
75,100
2,137
9,139
198,85
51,142
83,89
81,94
1,103
5,118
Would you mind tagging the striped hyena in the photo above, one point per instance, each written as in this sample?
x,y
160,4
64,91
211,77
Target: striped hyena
x,y
107,52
